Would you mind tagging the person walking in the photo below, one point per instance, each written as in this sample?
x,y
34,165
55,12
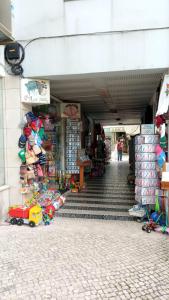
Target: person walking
x,y
120,149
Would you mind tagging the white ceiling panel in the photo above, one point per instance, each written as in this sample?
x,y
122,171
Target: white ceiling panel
x,y
127,92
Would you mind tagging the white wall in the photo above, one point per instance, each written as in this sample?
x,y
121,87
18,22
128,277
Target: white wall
x,y
36,18
92,53
98,53
13,110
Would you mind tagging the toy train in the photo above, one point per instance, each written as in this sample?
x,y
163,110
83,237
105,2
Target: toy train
x,y
25,215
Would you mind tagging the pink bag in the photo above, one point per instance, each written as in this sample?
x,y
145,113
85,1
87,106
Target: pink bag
x,y
39,169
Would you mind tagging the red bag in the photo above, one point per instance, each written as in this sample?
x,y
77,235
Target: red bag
x,y
27,131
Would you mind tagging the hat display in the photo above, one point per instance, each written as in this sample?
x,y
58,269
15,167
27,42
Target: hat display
x,y
30,117
22,141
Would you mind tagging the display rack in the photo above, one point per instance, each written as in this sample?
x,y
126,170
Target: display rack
x,y
73,143
146,182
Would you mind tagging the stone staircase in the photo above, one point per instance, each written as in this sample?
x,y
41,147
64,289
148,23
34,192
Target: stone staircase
x,y
102,199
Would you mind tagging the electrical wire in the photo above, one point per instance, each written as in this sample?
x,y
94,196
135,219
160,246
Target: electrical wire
x,y
94,34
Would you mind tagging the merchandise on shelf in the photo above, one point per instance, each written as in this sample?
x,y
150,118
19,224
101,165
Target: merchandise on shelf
x,y
146,180
145,165
145,157
73,143
146,174
145,148
144,200
146,139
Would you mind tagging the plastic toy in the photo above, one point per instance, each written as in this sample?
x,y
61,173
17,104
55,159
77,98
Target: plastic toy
x,y
46,219
76,187
152,224
50,211
25,215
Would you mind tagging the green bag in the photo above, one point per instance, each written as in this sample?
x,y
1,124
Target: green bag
x,y
41,133
163,142
21,155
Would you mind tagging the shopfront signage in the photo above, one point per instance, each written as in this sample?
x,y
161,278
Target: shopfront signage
x,y
35,91
118,129
70,110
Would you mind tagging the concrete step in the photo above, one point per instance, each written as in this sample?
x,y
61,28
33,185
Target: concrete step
x,y
94,214
98,207
101,196
109,188
103,202
107,191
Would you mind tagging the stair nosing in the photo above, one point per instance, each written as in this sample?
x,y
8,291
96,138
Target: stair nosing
x,y
100,202
98,217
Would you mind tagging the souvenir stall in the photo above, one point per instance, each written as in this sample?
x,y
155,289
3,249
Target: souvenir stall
x,y
146,181
154,171
74,162
40,156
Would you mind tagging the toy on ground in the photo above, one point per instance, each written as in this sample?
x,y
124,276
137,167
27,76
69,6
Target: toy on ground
x,y
50,211
25,215
153,222
46,219
76,187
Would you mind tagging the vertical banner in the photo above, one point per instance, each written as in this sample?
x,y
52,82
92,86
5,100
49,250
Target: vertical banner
x,y
163,103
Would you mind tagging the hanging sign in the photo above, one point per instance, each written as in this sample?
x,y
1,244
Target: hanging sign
x,y
163,103
35,91
70,110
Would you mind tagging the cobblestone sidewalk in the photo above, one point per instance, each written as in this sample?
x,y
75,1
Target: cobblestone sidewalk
x,y
83,259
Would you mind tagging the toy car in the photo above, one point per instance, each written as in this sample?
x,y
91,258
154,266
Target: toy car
x,y
25,215
149,226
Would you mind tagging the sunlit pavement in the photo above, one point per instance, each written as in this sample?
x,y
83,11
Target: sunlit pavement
x,y
83,259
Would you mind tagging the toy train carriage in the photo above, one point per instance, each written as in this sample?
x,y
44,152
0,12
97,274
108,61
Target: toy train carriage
x,y
25,215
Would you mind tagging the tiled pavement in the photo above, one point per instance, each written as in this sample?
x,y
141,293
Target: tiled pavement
x,y
83,259
108,197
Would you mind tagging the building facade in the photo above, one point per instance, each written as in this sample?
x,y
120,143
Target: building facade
x,y
90,48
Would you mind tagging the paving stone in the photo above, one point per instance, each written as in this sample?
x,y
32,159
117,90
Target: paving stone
x,y
83,259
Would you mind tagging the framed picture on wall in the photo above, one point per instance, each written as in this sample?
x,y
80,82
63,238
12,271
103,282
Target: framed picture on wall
x,y
70,110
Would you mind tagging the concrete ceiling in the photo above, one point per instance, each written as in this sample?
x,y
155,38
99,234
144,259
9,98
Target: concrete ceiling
x,y
113,97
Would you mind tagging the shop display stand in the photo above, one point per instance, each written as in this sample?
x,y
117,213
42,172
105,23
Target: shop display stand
x,y
146,181
51,145
82,165
73,143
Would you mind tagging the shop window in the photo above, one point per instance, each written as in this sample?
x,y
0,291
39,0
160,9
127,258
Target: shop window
x,y
2,165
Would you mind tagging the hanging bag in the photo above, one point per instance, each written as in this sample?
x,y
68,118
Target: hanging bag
x,y
23,170
39,169
21,155
37,150
31,158
30,173
42,159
